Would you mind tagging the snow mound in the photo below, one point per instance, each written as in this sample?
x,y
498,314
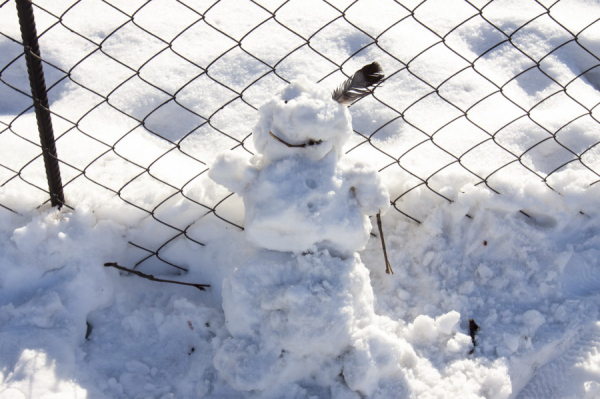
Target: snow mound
x,y
307,322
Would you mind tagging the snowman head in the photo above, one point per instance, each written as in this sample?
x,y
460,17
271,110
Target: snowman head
x,y
305,119
301,119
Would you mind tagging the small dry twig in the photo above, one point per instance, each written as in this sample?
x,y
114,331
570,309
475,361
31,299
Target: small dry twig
x,y
303,145
388,268
201,287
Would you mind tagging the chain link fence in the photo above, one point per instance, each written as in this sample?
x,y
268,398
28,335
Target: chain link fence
x,y
144,94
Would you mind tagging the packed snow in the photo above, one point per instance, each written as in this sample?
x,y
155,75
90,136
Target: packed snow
x,y
300,305
299,196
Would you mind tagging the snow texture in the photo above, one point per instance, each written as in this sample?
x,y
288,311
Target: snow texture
x,y
524,264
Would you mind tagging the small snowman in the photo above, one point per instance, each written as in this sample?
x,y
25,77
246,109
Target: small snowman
x,y
296,309
300,194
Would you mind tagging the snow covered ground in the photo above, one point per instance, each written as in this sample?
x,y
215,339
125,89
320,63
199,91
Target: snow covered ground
x,y
522,264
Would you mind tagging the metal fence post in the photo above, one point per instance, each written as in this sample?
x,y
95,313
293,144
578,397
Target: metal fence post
x,y
40,100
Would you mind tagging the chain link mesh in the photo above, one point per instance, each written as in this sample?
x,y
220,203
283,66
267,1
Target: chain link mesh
x,y
183,79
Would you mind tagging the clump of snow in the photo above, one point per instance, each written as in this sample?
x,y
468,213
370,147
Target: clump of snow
x,y
297,313
446,323
423,329
231,171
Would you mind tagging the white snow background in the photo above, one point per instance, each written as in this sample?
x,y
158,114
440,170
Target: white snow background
x,y
524,264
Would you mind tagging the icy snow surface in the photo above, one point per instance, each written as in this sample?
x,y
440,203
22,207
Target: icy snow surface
x,y
288,325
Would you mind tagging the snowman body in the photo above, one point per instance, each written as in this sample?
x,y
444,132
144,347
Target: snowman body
x,y
300,194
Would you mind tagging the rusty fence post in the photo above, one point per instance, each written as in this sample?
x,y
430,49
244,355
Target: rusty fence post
x,y
40,100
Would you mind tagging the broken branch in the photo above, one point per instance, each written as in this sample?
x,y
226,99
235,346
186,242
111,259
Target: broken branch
x,y
201,287
388,267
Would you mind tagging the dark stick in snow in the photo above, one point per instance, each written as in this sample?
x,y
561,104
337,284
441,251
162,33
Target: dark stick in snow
x,y
388,268
201,287
473,327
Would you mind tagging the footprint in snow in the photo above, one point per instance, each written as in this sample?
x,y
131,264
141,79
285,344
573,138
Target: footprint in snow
x,y
579,278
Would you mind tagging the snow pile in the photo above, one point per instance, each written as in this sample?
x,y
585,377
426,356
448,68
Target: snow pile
x,y
306,324
70,327
48,289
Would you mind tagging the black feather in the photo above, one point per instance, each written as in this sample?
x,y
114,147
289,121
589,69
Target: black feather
x,y
359,85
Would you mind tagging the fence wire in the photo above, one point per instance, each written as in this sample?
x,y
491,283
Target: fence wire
x,y
183,79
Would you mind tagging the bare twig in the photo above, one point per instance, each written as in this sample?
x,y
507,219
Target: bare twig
x,y
303,145
388,268
201,287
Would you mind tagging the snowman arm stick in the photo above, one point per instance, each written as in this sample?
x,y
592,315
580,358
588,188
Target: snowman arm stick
x,y
388,267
